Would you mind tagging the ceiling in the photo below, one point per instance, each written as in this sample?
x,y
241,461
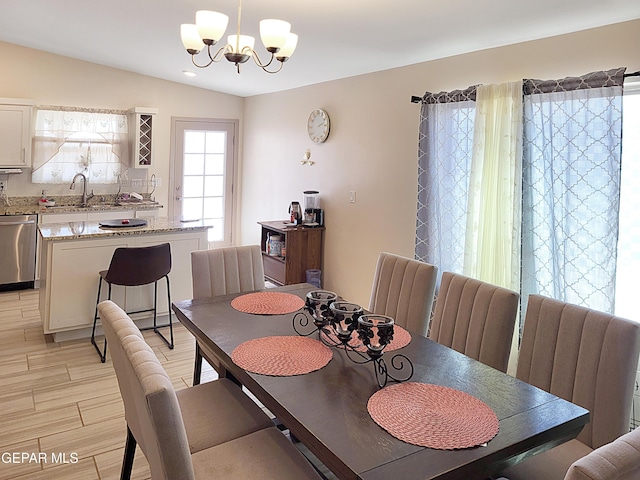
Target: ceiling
x,y
338,38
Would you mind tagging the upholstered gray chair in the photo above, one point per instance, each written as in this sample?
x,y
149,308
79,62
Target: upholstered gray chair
x,y
403,289
223,271
584,356
208,431
475,318
618,460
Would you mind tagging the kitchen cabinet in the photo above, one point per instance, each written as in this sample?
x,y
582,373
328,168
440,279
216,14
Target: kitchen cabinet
x,y
48,218
69,278
141,136
15,133
147,213
77,220
302,252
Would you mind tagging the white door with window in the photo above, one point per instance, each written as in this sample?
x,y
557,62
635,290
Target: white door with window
x,y
204,152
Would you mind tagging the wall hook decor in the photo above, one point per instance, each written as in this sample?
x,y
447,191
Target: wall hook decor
x,y
306,158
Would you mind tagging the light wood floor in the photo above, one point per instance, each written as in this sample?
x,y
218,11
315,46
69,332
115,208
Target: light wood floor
x,y
58,399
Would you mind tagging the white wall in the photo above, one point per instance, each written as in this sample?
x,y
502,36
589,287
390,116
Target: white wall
x,y
372,148
55,80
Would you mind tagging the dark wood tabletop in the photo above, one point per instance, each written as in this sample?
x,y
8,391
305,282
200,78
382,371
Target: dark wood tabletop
x,y
327,409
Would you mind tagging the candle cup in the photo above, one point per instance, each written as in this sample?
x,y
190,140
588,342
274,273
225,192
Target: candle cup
x,y
345,319
375,332
318,304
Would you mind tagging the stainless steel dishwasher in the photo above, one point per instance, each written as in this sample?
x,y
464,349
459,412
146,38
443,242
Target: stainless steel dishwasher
x,y
17,251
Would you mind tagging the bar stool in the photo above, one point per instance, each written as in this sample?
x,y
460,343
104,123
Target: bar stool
x,y
132,267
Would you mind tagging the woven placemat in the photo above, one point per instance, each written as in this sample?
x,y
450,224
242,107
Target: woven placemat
x,y
282,356
433,416
401,338
267,303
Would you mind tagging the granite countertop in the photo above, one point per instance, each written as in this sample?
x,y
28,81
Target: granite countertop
x,y
85,230
30,206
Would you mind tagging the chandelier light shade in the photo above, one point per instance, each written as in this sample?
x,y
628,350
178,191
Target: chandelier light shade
x,y
210,26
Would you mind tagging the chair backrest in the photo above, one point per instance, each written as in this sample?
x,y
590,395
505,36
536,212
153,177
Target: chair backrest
x,y
222,271
475,318
584,356
132,266
403,288
619,460
151,407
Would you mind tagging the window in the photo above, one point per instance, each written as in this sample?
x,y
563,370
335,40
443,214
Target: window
x,y
72,141
570,188
629,236
203,178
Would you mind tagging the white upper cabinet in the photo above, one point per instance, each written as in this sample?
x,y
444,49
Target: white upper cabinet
x,y
141,136
15,133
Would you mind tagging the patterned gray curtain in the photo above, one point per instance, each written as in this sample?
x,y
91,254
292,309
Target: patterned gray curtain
x,y
571,188
445,147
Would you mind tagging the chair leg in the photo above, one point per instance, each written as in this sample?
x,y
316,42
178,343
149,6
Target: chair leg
x,y
170,343
197,368
170,316
103,353
129,455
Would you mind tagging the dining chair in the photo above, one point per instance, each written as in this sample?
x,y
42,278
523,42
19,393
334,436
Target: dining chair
x,y
618,460
475,318
222,271
403,289
134,267
584,356
212,430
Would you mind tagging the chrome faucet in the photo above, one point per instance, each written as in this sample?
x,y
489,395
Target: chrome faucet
x,y
85,198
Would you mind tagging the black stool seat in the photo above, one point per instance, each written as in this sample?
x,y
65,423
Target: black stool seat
x,y
132,267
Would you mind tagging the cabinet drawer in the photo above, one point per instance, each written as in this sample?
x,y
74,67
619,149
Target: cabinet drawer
x,y
274,269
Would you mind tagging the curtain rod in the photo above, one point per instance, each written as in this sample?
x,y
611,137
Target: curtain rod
x,y
416,99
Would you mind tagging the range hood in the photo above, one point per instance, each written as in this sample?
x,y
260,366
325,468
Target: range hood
x,y
10,170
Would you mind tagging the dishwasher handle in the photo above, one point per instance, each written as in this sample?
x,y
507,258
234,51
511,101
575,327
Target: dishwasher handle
x,y
7,224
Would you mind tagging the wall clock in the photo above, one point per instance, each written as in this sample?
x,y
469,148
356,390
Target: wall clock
x,y
318,125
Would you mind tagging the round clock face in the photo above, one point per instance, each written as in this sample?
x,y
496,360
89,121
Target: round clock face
x,y
318,125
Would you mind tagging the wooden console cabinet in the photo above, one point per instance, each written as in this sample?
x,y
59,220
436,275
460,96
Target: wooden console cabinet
x,y
303,251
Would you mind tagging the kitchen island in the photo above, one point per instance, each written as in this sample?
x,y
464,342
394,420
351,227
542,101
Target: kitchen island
x,y
74,252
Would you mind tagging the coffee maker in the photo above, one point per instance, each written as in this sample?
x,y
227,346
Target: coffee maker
x,y
313,214
295,213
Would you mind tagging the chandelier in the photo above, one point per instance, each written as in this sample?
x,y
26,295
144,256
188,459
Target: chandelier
x,y
210,27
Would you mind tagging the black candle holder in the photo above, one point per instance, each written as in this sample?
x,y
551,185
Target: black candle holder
x,y
336,321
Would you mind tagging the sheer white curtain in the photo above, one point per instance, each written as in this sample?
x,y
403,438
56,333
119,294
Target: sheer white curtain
x,y
567,193
492,240
571,183
445,148
70,141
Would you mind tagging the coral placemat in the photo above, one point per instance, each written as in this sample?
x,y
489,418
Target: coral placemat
x,y
401,338
267,303
433,416
282,356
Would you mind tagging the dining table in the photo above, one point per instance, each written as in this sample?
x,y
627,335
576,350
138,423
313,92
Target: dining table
x,y
327,409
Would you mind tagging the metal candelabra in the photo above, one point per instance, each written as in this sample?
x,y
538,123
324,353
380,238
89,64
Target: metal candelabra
x,y
363,337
